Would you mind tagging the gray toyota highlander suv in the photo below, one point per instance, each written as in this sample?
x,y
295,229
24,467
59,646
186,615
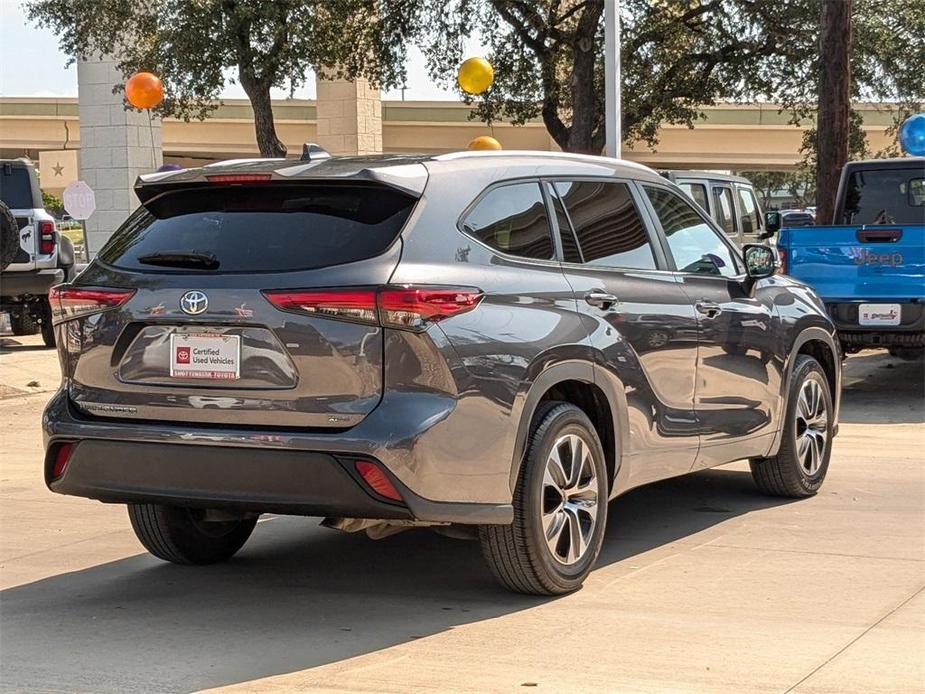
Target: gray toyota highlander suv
x,y
496,342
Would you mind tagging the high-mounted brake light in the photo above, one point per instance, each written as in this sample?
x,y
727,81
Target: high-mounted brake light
x,y
47,239
239,178
69,302
406,308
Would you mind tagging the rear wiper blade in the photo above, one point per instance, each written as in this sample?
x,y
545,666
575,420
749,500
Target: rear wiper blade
x,y
194,259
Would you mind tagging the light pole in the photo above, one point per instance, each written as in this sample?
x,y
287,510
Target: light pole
x,y
612,123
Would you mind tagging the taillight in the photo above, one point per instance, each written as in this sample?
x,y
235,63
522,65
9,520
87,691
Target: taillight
x,y
350,304
408,308
47,239
413,307
377,480
784,261
61,459
69,302
239,178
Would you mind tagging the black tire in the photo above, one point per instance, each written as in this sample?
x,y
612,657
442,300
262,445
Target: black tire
x,y
179,535
23,323
9,236
48,330
788,474
518,554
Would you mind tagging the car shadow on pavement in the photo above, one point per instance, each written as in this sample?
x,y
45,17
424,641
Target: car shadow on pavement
x,y
880,389
11,345
299,596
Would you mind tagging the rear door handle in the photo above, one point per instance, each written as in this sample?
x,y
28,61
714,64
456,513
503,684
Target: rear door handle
x,y
708,308
601,299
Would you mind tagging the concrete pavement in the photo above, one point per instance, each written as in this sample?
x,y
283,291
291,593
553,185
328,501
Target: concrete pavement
x,y
703,585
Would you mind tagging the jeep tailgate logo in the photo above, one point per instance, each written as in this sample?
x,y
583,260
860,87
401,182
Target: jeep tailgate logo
x,y
862,256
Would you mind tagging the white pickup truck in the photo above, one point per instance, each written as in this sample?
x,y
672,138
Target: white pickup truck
x,y
35,256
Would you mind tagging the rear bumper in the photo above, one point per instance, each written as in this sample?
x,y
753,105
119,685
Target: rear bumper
x,y
909,333
246,478
37,282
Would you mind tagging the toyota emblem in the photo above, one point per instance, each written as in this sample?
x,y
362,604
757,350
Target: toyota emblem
x,y
194,303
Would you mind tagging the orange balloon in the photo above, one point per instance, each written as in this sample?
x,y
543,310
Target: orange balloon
x,y
484,142
144,90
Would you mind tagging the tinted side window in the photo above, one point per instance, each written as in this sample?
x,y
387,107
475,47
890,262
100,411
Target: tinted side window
x,y
512,219
751,220
696,247
698,193
609,229
724,209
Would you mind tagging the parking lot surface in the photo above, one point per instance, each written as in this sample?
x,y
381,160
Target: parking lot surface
x,y
702,585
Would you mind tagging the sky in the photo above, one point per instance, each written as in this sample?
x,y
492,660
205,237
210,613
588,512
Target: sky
x,y
31,64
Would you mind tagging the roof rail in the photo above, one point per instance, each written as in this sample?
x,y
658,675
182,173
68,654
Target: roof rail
x,y
313,152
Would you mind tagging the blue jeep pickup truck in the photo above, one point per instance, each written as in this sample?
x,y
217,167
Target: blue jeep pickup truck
x,y
869,267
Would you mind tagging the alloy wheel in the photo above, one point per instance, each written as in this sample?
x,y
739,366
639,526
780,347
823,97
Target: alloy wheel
x,y
570,500
812,427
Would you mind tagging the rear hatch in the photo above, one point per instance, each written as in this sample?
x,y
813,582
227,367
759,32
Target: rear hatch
x,y
866,262
200,339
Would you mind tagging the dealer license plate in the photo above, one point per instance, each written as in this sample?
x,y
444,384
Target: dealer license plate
x,y
207,356
879,314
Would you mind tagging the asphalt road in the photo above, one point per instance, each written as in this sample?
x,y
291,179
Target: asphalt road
x,y
703,585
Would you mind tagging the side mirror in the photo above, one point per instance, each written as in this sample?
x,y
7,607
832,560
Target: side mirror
x,y
759,262
772,222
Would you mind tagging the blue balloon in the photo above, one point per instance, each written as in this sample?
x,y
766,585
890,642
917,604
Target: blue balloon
x,y
912,135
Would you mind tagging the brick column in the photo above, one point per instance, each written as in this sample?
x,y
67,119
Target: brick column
x,y
349,117
115,147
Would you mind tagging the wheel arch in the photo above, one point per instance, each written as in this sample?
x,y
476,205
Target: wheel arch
x,y
820,344
575,382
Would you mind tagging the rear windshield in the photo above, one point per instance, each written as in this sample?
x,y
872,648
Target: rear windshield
x,y
885,196
15,187
262,228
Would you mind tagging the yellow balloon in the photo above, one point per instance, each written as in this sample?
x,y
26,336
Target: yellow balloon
x,y
475,75
484,142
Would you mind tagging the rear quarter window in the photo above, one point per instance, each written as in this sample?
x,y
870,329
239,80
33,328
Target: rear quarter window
x,y
512,219
263,228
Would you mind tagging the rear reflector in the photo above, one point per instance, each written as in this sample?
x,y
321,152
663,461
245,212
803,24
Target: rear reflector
x,y
69,302
47,240
239,178
62,457
377,480
407,308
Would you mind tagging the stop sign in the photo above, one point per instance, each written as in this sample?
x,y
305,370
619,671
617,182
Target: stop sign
x,y
79,200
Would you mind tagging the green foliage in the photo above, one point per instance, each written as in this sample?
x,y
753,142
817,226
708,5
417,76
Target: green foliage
x,y
677,56
52,203
196,45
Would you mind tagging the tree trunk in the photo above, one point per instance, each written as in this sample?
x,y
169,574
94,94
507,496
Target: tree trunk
x,y
259,94
585,106
833,120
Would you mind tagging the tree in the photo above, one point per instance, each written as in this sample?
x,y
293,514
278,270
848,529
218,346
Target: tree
x,y
196,46
834,110
676,56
